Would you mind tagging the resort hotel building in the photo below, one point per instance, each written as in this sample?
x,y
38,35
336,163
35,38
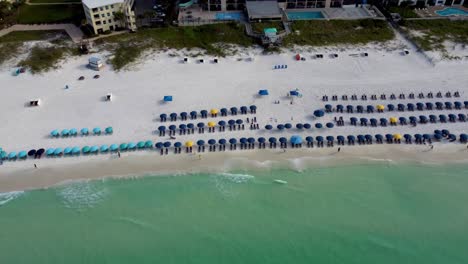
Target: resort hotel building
x,y
101,15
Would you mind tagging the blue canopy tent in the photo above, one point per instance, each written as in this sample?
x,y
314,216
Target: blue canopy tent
x,y
76,150
54,133
65,132
94,149
104,148
295,140
319,113
109,130
167,98
114,147
307,126
318,125
280,127
96,131
73,132
330,125
58,151
22,154
84,131
268,127
287,126
263,92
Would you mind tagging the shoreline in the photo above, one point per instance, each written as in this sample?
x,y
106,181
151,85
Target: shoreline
x,y
151,164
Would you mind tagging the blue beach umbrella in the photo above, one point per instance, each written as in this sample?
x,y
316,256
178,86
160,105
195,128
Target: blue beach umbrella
x,y
243,140
319,113
22,154
330,138
94,149
50,151
299,126
288,126
104,148
200,142
280,127
65,132
340,138
232,141
159,145
109,130
172,127
201,125
97,130
283,140
190,126
239,121
182,126
54,133
222,141
148,144
141,144
67,150
319,138
307,126
268,127
309,139
123,146
131,145
178,144
162,128
261,140
167,144
231,122
272,140
75,150
85,149
58,151
318,125
330,125
162,116
211,141
222,123
114,147
251,140
84,131
73,132
12,155
183,115
296,140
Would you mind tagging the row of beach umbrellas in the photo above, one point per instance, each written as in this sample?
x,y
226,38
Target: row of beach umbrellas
x,y
299,126
420,106
204,113
84,132
221,123
412,119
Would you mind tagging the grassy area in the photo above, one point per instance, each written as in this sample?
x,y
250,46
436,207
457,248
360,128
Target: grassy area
x,y
42,59
11,43
20,36
321,33
54,1
259,27
435,32
128,47
405,12
38,14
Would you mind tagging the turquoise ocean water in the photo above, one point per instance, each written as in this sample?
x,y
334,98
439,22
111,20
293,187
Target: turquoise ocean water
x,y
351,214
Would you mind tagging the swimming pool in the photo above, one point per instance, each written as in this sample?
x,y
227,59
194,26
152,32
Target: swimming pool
x,y
304,15
452,11
229,16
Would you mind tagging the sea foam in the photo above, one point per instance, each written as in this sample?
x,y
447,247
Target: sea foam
x,y
82,195
9,196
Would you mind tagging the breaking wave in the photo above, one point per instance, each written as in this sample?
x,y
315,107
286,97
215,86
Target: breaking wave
x,y
82,195
9,196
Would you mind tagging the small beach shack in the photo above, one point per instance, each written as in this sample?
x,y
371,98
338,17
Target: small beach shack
x,y
95,63
270,35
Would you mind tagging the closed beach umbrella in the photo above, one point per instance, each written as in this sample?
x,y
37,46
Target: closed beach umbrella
x,y
287,126
114,147
22,154
280,127
104,148
109,130
318,125
319,113
232,141
200,142
211,124
54,133
148,144
12,155
75,150
123,146
159,145
299,126
32,152
243,140
131,145
251,140
50,151
84,131
272,140
172,127
283,140
319,138
307,126
141,144
85,149
268,127
222,141
167,144
58,151
73,132
94,149
178,144
65,132
330,125
261,140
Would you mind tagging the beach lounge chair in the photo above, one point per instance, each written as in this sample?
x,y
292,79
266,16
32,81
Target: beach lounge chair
x,y
186,60
201,61
35,102
109,97
215,60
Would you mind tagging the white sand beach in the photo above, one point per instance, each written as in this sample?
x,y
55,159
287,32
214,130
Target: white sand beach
x,y
234,81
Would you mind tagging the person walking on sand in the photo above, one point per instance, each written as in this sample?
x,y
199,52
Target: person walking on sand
x,y
339,149
118,153
432,147
35,166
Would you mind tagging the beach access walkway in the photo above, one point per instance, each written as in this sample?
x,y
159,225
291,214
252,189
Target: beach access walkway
x,y
73,31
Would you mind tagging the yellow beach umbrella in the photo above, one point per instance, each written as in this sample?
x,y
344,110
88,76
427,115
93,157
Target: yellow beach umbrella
x,y
380,107
211,124
189,144
393,120
397,136
214,111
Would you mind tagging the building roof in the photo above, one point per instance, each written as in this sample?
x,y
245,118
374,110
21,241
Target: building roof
x,y
99,3
263,9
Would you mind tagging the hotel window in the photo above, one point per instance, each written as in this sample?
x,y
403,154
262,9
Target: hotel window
x,y
104,22
101,8
102,15
110,20
107,7
112,6
95,9
98,22
108,14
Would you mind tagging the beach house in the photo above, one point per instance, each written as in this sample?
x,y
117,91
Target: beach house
x,y
109,15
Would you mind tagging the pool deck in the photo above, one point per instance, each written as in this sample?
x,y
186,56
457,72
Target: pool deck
x,y
430,11
196,16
